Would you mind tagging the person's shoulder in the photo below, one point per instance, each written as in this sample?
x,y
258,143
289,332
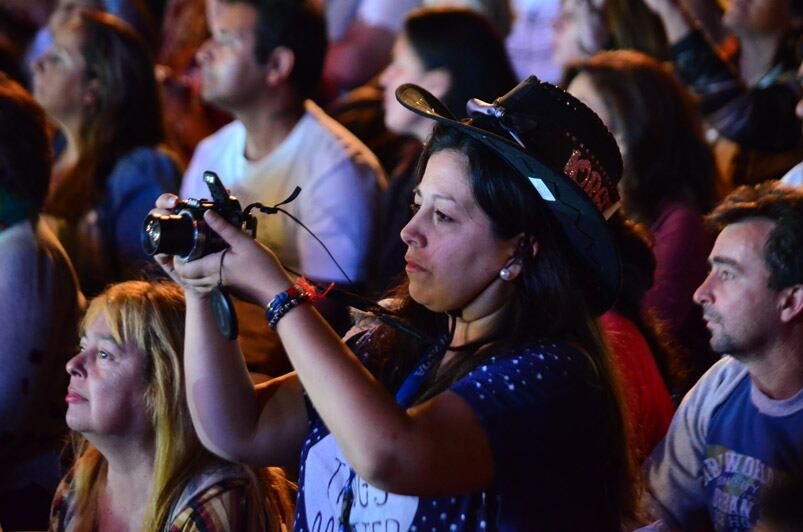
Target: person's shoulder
x,y
208,497
726,369
794,177
539,369
29,254
144,167
17,240
333,138
677,214
716,385
23,246
63,504
230,134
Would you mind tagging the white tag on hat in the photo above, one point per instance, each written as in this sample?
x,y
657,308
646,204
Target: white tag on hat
x,y
542,189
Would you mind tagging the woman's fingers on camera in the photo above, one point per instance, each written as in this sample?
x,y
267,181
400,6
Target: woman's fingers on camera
x,y
203,284
208,266
166,201
232,235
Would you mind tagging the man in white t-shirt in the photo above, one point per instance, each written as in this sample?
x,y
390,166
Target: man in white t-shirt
x,y
263,61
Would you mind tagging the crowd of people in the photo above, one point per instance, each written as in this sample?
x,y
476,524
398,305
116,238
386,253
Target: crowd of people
x,y
436,294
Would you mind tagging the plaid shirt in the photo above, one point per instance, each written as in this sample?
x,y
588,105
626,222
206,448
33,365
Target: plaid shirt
x,y
220,506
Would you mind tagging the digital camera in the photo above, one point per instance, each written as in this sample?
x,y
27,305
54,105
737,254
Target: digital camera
x,y
184,232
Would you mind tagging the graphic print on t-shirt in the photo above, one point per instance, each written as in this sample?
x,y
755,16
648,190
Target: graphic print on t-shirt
x,y
738,481
373,509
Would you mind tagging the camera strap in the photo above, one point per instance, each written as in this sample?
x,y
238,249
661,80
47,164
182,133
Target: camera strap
x,y
223,307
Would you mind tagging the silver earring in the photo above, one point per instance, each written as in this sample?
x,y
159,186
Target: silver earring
x,y
505,274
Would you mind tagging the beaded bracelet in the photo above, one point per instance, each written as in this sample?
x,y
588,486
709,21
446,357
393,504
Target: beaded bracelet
x,y
283,302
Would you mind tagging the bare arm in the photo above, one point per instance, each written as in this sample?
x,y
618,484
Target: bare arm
x,y
677,19
265,425
423,450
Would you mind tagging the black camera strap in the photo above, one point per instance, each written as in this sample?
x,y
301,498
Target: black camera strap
x,y
223,307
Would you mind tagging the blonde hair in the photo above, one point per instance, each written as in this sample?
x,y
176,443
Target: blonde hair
x,y
150,316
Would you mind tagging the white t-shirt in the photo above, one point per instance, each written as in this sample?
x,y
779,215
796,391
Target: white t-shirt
x,y
794,176
340,180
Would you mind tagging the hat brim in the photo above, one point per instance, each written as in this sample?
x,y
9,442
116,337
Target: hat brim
x,y
582,223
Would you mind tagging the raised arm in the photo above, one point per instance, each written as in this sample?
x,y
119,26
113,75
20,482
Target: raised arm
x,y
423,450
265,425
262,426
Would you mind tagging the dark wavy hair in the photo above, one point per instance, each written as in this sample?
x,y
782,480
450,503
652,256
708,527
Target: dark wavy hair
x,y
468,47
665,154
126,113
550,303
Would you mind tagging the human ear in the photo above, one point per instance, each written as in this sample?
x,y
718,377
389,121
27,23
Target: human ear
x,y
91,93
279,66
791,303
513,268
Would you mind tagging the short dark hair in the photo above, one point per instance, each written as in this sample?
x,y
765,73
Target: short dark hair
x,y
299,26
25,156
468,47
781,204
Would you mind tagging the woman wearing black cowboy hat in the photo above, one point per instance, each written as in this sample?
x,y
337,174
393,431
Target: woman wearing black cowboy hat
x,y
501,410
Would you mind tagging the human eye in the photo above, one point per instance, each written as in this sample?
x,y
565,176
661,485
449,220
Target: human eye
x,y
103,354
442,217
415,207
725,275
52,57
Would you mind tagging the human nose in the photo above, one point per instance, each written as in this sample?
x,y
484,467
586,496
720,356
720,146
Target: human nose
x,y
702,296
412,234
75,366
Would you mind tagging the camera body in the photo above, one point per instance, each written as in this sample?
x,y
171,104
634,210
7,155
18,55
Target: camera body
x,y
185,234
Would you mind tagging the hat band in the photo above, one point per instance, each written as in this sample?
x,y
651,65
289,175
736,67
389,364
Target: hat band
x,y
582,172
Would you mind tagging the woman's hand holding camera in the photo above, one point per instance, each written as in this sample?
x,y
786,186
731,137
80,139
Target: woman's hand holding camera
x,y
250,271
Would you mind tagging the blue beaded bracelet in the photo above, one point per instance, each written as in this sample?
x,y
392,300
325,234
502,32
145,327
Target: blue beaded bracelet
x,y
283,302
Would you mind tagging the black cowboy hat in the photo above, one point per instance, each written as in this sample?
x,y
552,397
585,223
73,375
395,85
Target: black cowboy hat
x,y
562,147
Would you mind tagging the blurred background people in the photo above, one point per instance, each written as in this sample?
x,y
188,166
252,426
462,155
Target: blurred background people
x,y
648,361
362,33
532,37
747,99
585,27
795,175
97,84
188,119
262,64
455,54
139,464
40,305
669,181
739,431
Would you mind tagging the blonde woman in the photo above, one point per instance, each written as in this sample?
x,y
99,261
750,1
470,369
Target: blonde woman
x,y
139,464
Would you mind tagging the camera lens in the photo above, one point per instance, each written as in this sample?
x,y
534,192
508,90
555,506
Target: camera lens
x,y
172,234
